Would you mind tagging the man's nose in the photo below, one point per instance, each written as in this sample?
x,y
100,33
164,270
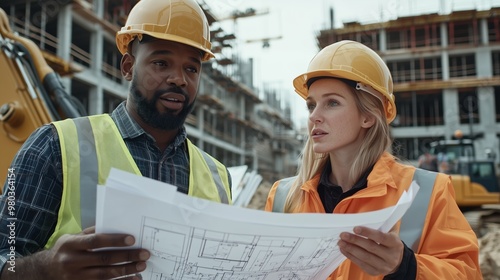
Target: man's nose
x,y
176,77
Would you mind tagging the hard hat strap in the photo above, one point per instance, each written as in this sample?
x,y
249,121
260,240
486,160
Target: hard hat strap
x,y
370,90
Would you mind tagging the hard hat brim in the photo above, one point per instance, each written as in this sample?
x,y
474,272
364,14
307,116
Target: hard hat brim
x,y
300,85
123,44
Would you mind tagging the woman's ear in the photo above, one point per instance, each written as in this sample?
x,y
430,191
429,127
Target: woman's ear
x,y
127,66
367,121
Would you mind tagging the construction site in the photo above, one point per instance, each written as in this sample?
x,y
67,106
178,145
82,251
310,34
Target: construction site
x,y
446,75
446,72
445,67
231,120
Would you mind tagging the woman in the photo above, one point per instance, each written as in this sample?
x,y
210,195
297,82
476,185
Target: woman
x,y
346,168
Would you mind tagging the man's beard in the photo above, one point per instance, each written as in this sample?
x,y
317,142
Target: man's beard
x,y
147,111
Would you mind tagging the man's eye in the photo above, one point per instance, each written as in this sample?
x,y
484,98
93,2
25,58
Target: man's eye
x,y
192,69
160,63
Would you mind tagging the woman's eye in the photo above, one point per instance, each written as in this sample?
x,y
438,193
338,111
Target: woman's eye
x,y
310,107
333,103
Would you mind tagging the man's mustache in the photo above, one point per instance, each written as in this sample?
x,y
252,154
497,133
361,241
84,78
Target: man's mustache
x,y
174,89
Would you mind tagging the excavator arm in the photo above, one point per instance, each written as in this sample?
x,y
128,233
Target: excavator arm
x,y
31,93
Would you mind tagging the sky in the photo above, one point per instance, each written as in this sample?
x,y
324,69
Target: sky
x,y
294,24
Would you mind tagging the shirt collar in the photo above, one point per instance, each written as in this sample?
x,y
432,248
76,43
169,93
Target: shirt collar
x,y
129,128
327,170
126,125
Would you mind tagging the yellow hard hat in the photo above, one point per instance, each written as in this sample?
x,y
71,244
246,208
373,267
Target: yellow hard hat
x,y
181,21
356,62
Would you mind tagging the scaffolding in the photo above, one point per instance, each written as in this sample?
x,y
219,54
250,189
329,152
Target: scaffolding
x,y
445,69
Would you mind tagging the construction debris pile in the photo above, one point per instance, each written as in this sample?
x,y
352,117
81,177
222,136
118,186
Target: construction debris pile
x,y
245,183
489,253
258,201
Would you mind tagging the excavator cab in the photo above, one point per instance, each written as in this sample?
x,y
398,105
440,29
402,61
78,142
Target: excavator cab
x,y
475,181
453,155
483,173
31,93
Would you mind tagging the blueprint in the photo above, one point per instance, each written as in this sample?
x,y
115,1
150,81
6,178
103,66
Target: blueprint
x,y
208,254
195,239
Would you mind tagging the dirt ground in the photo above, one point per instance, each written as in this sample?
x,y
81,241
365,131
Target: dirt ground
x,y
489,243
489,253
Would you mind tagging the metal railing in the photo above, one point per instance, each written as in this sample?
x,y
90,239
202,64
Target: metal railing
x,y
49,43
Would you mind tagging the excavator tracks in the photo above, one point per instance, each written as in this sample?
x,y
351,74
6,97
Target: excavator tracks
x,y
484,219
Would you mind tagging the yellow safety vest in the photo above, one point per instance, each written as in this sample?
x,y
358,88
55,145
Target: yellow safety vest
x,y
91,146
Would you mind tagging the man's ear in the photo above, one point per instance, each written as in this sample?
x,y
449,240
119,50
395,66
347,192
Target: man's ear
x,y
127,66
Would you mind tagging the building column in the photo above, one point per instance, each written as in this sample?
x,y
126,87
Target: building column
x,y
98,7
486,103
96,94
243,136
483,31
243,144
200,125
445,64
255,156
64,25
483,53
444,34
382,44
95,100
452,111
484,65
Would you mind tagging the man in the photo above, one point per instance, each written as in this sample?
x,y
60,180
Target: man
x,y
57,169
428,161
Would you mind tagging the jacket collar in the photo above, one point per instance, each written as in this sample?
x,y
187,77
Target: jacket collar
x,y
381,175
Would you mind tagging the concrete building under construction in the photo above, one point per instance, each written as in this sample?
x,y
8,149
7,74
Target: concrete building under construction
x,y
232,120
446,72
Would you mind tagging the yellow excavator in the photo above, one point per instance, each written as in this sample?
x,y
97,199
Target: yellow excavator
x,y
31,93
476,182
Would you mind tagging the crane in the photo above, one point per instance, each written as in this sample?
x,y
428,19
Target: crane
x,y
265,40
250,12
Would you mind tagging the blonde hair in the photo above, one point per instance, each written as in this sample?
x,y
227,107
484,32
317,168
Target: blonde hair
x,y
377,141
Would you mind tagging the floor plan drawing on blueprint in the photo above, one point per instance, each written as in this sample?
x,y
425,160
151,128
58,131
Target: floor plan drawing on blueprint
x,y
194,239
206,254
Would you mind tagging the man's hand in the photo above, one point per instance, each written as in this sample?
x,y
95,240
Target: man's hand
x,y
375,252
75,257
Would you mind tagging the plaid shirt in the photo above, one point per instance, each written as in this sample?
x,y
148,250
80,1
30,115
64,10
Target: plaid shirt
x,y
38,180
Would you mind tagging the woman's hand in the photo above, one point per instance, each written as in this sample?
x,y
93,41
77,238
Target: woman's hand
x,y
375,252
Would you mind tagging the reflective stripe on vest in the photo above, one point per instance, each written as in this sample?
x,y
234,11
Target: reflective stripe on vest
x,y
217,179
88,174
208,178
413,220
90,146
281,193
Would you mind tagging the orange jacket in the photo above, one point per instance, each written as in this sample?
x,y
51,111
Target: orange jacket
x,y
448,246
